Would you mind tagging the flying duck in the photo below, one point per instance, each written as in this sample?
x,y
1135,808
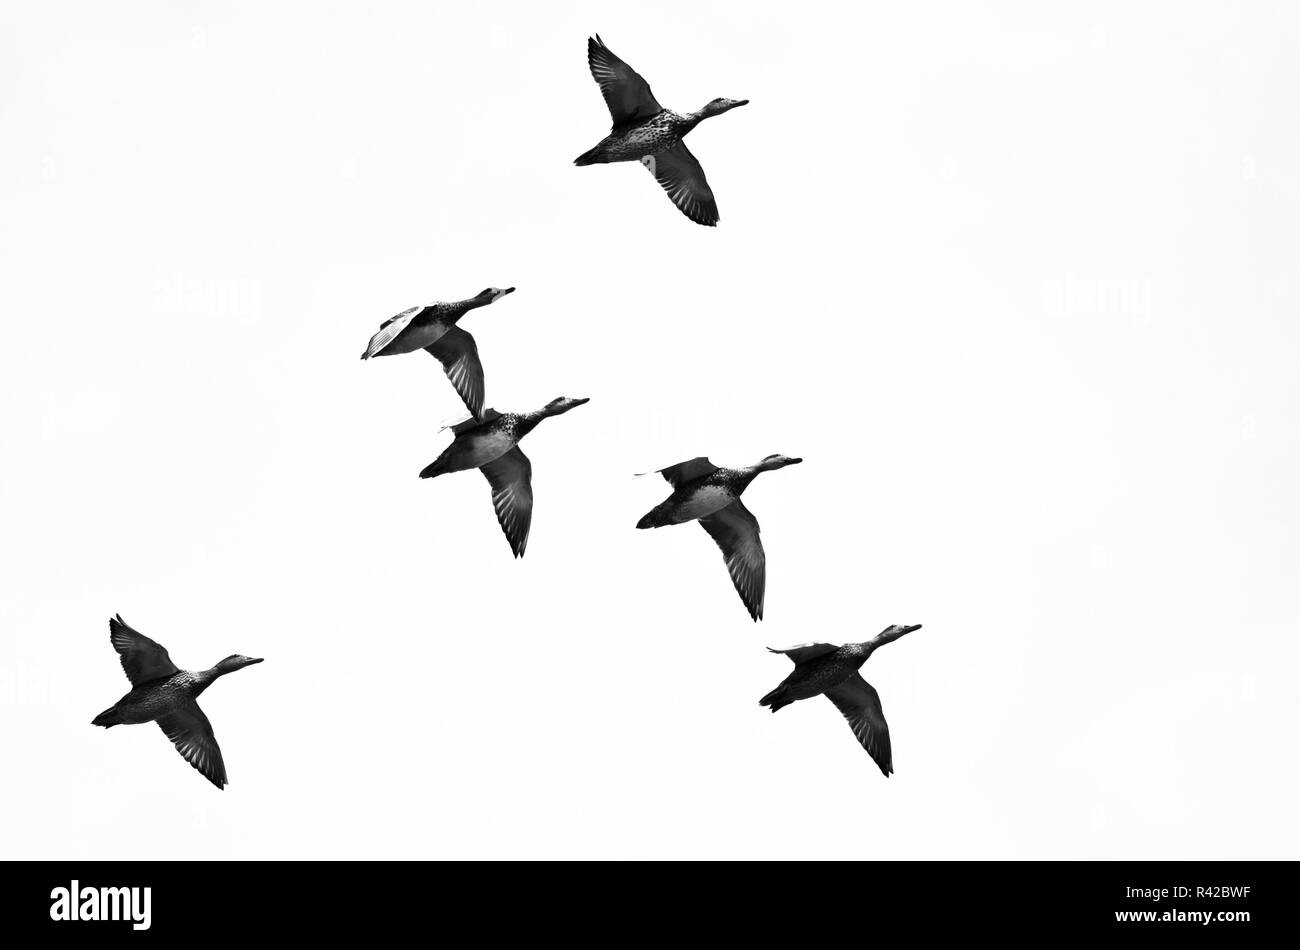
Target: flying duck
x,y
711,495
646,132
832,671
433,328
491,444
166,695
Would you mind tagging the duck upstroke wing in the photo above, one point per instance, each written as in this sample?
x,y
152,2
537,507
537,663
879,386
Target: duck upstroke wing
x,y
683,472
511,478
458,353
806,651
389,330
142,659
736,531
628,95
189,730
860,704
680,175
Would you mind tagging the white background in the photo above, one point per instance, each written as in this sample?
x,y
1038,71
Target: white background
x,y
1017,283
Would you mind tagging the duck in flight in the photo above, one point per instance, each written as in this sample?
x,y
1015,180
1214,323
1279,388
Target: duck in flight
x,y
433,328
711,495
832,671
166,695
491,444
646,132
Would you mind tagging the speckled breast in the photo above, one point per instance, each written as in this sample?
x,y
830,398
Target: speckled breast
x,y
647,139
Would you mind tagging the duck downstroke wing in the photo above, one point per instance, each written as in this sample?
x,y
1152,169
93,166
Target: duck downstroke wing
x,y
389,330
458,353
860,705
189,730
511,478
680,175
806,651
628,95
683,472
735,530
142,659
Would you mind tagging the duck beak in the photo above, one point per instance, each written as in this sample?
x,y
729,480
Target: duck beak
x,y
508,290
253,660
911,627
581,401
795,461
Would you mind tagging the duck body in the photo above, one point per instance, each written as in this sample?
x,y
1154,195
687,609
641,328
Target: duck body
x,y
824,669
818,675
416,328
633,143
151,700
699,498
482,442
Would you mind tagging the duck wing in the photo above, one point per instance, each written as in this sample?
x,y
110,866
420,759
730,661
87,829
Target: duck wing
x,y
860,704
683,472
806,651
142,659
389,330
511,478
736,531
628,95
458,353
189,730
680,175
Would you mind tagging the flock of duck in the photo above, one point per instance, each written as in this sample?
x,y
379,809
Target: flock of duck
x,y
643,131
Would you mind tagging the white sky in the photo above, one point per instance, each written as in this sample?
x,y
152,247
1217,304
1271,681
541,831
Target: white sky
x,y
1018,284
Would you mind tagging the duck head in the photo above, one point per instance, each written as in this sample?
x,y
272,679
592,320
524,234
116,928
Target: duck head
x,y
889,635
773,462
562,404
894,631
719,106
492,294
235,662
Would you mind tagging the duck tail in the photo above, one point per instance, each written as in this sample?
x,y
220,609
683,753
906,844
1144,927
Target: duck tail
x,y
108,718
776,699
588,157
